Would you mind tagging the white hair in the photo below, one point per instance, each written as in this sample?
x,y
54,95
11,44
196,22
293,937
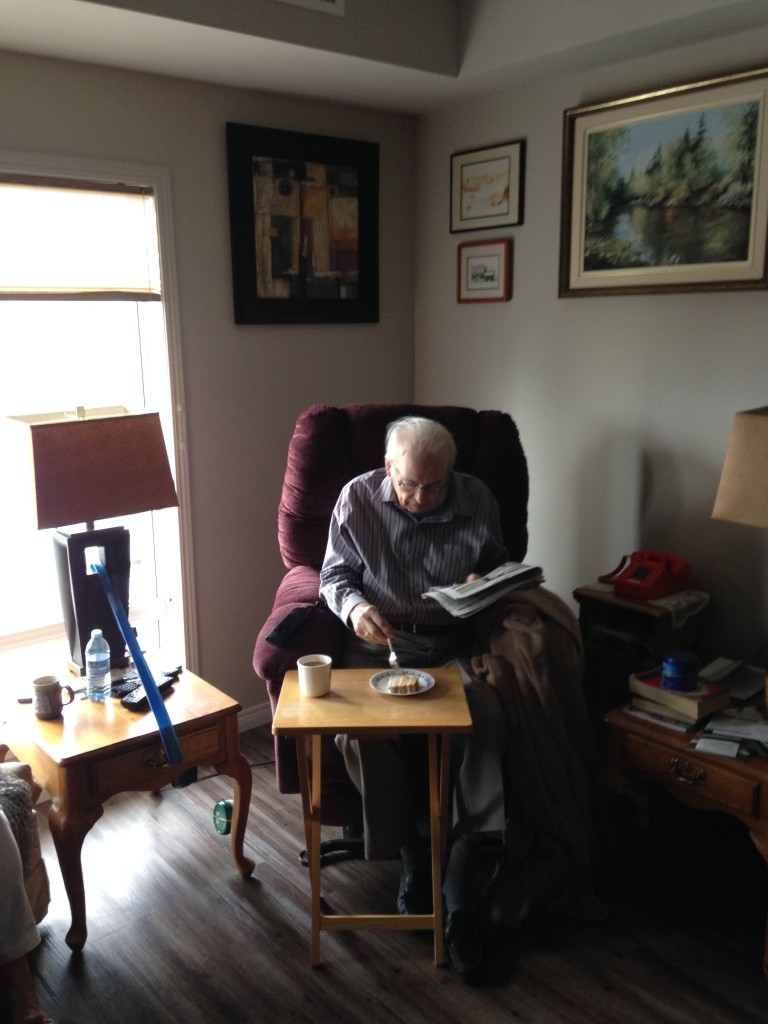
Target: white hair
x,y
419,437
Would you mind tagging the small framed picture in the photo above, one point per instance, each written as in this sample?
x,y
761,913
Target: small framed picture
x,y
484,271
487,187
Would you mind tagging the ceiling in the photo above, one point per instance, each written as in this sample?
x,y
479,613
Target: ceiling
x,y
97,33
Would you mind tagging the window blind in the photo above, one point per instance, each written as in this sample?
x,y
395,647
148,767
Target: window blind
x,y
58,242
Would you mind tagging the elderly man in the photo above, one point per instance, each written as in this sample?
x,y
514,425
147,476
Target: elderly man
x,y
395,532
18,935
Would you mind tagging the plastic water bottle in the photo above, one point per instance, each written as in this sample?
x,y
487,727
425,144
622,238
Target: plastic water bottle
x,y
97,674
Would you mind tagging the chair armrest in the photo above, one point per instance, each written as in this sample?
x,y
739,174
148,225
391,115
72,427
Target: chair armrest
x,y
18,794
321,632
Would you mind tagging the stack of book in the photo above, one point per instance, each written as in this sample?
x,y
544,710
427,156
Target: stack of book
x,y
685,707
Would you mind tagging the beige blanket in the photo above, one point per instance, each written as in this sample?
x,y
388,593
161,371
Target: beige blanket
x,y
536,664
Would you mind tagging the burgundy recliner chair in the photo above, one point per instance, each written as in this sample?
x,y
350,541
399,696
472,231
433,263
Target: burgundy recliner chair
x,y
329,447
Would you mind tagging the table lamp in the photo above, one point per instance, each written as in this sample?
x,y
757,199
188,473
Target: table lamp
x,y
89,465
742,495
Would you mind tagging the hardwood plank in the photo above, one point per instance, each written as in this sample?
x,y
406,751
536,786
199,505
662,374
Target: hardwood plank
x,y
175,935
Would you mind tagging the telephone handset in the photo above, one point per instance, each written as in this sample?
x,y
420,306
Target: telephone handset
x,y
648,574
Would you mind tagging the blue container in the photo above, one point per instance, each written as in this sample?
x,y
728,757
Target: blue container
x,y
680,671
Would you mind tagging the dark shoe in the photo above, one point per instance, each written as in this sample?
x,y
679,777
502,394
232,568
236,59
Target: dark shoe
x,y
415,893
464,948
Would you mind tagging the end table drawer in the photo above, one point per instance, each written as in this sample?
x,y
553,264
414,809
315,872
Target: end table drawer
x,y
735,793
148,766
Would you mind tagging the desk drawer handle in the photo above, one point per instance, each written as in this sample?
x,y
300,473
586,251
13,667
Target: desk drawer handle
x,y
155,759
685,772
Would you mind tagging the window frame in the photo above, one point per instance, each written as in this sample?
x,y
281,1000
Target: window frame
x,y
107,174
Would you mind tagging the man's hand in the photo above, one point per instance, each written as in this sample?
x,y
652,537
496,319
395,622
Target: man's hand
x,y
369,624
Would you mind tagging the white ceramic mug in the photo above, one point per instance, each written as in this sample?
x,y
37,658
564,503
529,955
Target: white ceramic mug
x,y
49,699
314,675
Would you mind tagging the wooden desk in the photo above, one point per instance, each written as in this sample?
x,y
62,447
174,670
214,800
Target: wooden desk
x,y
355,708
94,751
642,750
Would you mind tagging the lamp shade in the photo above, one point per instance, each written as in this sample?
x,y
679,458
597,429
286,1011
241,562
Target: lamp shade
x,y
742,496
97,468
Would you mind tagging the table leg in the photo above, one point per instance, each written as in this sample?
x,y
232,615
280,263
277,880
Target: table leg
x,y
314,850
437,785
301,757
761,842
68,831
238,769
310,785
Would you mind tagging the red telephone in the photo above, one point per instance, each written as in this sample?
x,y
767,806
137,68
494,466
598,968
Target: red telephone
x,y
648,574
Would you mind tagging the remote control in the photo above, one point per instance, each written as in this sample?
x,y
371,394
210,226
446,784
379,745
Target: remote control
x,y
137,700
131,680
285,629
125,686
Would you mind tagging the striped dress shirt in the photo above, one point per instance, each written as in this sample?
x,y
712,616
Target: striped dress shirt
x,y
380,553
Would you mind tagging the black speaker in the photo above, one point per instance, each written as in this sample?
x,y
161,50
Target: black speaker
x,y
83,600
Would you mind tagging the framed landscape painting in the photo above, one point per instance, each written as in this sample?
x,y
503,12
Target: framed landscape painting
x,y
668,191
304,227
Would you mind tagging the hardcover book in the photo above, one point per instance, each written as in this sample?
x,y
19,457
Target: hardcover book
x,y
688,706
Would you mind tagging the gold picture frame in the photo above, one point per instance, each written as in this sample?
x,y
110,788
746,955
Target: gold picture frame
x,y
667,191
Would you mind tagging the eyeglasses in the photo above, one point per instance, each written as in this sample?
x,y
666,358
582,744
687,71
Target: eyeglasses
x,y
409,487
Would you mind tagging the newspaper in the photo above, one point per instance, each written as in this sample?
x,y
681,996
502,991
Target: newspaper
x,y
465,599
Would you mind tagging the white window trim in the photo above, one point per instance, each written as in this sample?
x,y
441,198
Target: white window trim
x,y
159,179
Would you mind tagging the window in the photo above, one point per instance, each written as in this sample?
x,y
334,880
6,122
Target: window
x,y
81,332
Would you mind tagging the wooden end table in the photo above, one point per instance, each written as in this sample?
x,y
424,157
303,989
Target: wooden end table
x,y
355,708
645,751
95,750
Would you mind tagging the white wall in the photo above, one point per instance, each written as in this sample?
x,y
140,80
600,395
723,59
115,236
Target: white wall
x,y
244,385
624,403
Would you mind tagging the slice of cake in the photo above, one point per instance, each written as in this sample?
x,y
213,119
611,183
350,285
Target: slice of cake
x,y
403,683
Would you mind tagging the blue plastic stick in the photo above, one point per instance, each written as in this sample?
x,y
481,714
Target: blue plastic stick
x,y
167,732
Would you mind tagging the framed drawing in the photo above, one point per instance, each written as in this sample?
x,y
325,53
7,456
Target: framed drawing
x,y
484,271
304,227
487,187
668,191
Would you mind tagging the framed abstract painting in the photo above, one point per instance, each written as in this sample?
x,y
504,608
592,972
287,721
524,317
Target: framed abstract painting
x,y
303,227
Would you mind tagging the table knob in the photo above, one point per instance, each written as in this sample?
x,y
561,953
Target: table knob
x,y
155,759
685,772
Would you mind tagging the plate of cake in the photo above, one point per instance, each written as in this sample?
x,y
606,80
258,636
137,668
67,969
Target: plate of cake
x,y
402,682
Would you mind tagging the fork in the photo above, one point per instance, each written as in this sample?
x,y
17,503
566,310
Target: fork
x,y
393,662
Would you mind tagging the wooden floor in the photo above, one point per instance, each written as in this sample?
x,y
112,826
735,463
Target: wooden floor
x,y
176,936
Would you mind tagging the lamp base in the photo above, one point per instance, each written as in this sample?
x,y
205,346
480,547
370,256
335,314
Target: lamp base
x,y
83,600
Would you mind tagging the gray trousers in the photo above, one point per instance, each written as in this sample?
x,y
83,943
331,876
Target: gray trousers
x,y
383,773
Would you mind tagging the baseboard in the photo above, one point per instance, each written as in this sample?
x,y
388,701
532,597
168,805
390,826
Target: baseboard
x,y
250,718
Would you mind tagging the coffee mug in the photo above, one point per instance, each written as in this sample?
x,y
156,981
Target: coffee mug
x,y
49,699
314,675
